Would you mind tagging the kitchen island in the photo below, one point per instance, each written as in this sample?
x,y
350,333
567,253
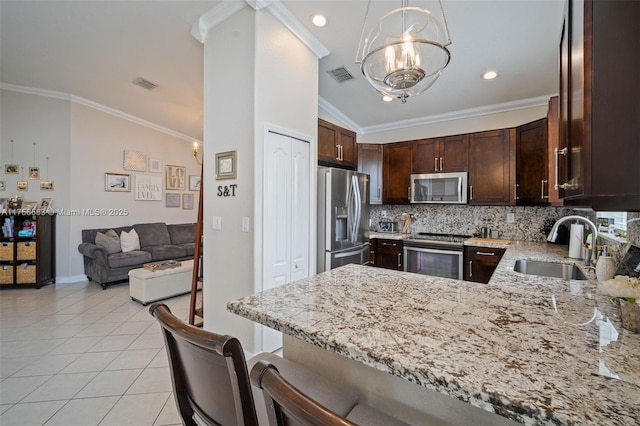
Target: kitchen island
x,y
532,349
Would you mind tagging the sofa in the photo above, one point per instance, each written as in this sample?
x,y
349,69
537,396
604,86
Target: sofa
x,y
109,263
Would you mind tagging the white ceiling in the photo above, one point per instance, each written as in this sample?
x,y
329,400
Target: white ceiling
x,y
95,49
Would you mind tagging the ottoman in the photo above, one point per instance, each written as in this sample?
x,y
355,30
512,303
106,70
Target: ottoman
x,y
150,286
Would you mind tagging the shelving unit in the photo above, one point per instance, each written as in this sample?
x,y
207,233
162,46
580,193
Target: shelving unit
x,y
27,250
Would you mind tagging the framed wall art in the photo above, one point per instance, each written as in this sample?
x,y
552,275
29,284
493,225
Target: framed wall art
x,y
45,204
194,183
155,165
148,188
176,178
226,165
117,182
46,185
187,201
12,169
34,172
23,185
172,199
3,185
29,206
135,161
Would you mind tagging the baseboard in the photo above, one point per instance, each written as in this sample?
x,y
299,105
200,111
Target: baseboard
x,y
71,279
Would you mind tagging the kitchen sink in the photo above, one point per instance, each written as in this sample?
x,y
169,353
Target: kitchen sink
x,y
549,269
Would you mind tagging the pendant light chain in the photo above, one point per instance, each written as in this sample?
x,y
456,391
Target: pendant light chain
x,y
11,151
446,26
364,24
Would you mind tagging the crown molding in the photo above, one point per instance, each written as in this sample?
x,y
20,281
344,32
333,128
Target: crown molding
x,y
458,115
293,24
94,105
339,115
227,8
213,17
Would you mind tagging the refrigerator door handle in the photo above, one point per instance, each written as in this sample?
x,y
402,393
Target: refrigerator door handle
x,y
350,213
358,206
354,207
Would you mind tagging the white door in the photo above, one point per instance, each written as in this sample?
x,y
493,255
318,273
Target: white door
x,y
285,218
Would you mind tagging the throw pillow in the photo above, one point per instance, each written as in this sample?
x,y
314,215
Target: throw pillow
x,y
109,241
129,241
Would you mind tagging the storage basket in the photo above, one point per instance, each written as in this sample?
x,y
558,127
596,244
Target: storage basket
x,y
6,250
26,250
6,274
26,274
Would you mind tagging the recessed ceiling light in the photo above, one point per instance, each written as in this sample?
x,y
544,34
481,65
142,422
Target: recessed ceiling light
x,y
319,20
489,75
387,98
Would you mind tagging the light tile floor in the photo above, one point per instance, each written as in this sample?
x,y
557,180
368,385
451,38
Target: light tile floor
x,y
74,354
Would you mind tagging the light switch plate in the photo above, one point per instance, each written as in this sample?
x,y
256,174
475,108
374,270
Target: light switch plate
x,y
245,224
511,217
217,223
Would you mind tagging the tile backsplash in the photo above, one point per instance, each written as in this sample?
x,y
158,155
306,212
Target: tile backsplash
x,y
530,223
453,219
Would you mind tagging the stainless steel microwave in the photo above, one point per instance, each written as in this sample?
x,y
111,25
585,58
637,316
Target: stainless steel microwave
x,y
439,188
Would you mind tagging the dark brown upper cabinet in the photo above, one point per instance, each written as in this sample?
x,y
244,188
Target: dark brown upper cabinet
x,y
491,166
370,162
599,159
336,146
440,155
396,171
531,186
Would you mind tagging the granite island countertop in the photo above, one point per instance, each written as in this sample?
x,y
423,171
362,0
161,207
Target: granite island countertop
x,y
500,346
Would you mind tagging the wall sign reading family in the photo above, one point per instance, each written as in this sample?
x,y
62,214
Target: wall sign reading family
x,y
149,187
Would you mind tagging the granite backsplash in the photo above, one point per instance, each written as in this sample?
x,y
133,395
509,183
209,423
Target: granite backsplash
x,y
467,220
530,223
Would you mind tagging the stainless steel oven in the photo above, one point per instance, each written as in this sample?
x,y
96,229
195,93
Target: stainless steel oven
x,y
438,255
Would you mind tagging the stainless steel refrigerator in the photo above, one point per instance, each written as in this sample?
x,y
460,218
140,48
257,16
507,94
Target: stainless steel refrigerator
x,y
343,218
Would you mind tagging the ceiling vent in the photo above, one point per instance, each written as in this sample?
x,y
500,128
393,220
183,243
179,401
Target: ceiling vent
x,y
341,74
146,84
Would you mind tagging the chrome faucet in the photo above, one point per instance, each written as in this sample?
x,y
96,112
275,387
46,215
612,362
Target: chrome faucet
x,y
553,235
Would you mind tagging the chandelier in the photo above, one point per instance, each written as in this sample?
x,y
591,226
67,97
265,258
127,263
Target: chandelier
x,y
405,51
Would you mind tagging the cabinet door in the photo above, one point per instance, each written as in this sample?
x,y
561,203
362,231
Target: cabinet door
x,y
396,172
531,163
389,254
601,86
425,156
327,142
348,150
489,167
480,263
373,250
576,172
553,164
370,162
454,154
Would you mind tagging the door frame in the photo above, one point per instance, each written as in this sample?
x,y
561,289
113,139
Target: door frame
x,y
259,159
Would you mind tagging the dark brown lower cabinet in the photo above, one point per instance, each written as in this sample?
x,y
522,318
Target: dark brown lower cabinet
x,y
481,262
386,253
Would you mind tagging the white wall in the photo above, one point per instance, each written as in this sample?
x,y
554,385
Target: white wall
x,y
229,125
82,144
273,81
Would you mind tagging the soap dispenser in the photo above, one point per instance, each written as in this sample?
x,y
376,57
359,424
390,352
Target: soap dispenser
x,y
605,267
